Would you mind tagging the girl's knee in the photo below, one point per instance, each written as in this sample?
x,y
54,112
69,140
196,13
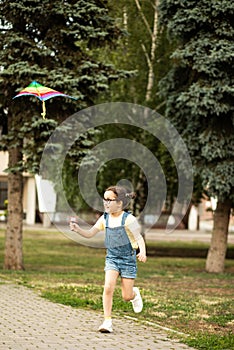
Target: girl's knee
x,y
127,296
108,289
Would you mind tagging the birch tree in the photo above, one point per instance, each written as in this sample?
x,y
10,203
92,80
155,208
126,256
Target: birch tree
x,y
150,55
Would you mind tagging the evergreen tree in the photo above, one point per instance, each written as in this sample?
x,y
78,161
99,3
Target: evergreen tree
x,y
199,101
57,44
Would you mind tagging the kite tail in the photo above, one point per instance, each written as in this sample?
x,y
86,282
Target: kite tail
x,y
43,110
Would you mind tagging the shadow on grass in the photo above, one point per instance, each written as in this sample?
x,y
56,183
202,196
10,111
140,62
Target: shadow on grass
x,y
183,252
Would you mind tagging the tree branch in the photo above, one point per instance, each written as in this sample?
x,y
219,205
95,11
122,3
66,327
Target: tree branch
x,y
143,17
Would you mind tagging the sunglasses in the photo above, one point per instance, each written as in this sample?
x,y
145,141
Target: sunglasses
x,y
108,201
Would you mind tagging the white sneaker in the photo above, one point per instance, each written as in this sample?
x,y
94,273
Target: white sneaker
x,y
106,327
137,302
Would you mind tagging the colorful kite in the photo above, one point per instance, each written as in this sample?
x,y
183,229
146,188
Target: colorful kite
x,y
41,92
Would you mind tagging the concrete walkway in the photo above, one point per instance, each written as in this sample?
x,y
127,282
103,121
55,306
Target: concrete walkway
x,y
30,322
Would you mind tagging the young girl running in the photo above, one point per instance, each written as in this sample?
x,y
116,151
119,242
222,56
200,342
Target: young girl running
x,y
124,244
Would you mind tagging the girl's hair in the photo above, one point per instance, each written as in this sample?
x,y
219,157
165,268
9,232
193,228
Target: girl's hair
x,y
122,194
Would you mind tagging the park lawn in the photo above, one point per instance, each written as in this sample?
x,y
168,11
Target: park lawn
x,y
177,292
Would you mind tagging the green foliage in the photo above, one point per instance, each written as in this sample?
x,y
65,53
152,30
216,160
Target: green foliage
x,y
199,87
59,47
205,341
130,54
77,296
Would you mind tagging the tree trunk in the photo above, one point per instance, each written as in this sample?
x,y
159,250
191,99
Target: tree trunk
x,y
14,236
185,219
150,83
150,57
217,252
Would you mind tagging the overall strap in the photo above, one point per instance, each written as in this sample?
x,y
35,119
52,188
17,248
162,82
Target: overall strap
x,y
125,214
106,218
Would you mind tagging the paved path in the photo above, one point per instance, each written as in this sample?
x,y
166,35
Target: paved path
x,y
30,322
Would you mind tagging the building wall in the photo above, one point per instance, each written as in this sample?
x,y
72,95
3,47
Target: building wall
x,y
29,191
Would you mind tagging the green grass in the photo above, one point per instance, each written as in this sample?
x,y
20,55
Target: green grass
x,y
177,292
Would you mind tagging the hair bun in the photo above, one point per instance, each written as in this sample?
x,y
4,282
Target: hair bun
x,y
130,195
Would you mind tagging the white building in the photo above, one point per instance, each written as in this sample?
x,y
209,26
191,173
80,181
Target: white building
x,y
29,192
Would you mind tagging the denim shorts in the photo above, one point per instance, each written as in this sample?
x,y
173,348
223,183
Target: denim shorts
x,y
126,265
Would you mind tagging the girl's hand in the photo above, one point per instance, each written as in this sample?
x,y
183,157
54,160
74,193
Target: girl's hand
x,y
142,257
73,226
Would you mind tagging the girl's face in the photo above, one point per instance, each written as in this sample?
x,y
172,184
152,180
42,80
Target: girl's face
x,y
110,203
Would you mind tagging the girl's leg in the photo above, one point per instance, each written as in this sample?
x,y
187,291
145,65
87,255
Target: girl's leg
x,y
109,287
127,288
131,293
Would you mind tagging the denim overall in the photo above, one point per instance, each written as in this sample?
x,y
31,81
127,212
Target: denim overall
x,y
120,254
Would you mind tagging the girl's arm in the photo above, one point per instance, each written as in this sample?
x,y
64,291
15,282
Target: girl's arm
x,y
135,234
142,254
85,233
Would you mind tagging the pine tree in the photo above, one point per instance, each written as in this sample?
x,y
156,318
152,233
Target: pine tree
x,y
199,101
57,44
